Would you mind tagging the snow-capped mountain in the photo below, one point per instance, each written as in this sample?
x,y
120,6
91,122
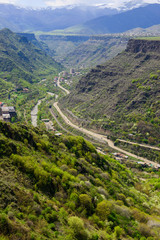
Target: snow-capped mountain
x,y
127,5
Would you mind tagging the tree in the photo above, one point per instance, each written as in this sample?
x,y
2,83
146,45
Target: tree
x,y
103,209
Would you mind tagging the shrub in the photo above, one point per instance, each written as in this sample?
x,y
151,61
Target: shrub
x,y
4,226
77,227
139,216
103,209
86,202
145,230
118,232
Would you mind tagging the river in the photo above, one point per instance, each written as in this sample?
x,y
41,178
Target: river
x,y
34,114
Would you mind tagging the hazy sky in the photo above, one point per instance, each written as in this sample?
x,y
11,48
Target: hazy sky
x,y
55,3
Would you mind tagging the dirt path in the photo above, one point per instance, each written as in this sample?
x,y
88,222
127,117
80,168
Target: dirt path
x,y
141,145
65,90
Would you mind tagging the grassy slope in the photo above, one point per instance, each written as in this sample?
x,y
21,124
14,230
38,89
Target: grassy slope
x,y
60,188
22,60
122,96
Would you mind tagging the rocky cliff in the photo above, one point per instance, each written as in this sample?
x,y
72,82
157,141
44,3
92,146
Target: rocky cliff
x,y
138,45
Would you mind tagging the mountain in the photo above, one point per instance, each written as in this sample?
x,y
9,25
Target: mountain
x,y
151,31
20,59
124,5
38,43
61,188
121,96
87,19
76,51
47,19
142,17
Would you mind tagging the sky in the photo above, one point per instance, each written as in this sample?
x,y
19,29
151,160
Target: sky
x,y
60,3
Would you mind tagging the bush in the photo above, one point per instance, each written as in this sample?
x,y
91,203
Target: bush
x,y
4,226
118,232
86,202
103,209
145,230
77,227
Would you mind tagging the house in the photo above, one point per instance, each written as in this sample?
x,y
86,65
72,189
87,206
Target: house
x,y
6,117
7,113
45,120
120,156
12,111
25,90
58,134
5,110
72,71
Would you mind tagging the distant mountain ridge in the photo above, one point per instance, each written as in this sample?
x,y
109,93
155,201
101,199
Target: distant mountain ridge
x,y
142,17
47,19
92,19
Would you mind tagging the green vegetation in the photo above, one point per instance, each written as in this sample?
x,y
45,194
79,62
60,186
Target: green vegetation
x,y
23,65
120,98
149,38
61,188
83,51
23,62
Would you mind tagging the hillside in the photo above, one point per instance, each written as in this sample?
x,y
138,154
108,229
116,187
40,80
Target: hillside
x,y
95,51
61,188
121,96
76,51
142,17
61,45
21,60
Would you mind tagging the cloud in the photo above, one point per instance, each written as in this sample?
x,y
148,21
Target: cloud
x,y
58,3
8,1
55,3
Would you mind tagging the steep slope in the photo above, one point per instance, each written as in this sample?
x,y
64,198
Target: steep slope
x,y
32,38
61,188
143,17
123,94
61,45
76,51
95,51
19,59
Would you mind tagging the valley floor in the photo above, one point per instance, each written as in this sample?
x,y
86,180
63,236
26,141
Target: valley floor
x,y
102,138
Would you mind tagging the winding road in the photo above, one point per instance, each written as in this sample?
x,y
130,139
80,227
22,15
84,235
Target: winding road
x,y
102,138
65,90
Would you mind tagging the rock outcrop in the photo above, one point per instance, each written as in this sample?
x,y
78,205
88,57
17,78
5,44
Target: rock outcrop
x,y
137,45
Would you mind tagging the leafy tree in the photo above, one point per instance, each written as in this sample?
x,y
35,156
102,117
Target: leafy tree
x,y
103,209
